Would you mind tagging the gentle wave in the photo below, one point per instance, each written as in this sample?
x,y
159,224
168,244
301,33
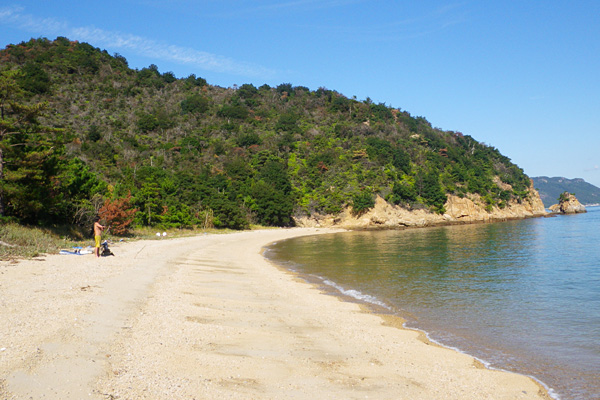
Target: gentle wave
x,y
356,294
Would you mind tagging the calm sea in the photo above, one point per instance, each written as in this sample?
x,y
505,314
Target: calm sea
x,y
519,295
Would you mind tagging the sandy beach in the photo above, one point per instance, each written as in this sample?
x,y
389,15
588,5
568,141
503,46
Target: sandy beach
x,y
208,317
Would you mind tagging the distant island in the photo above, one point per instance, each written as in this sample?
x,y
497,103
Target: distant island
x,y
551,188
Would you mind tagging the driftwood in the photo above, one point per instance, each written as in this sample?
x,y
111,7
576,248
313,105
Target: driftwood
x,y
7,244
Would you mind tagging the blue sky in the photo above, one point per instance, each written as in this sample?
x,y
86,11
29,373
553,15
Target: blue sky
x,y
522,76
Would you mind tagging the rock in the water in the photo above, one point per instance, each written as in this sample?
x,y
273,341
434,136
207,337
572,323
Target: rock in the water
x,y
568,204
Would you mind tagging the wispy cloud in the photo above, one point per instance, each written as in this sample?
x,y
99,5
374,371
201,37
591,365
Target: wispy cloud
x,y
129,43
450,14
294,5
433,22
408,26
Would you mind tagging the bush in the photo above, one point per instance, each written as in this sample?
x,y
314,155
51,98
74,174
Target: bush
x,y
227,214
194,104
34,79
94,133
118,214
403,192
147,123
233,112
247,91
432,192
287,123
272,206
362,202
379,150
564,196
248,139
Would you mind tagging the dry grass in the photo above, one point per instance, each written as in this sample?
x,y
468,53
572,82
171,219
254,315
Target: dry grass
x,y
18,241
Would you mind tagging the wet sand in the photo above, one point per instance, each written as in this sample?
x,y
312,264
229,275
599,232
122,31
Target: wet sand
x,y
209,317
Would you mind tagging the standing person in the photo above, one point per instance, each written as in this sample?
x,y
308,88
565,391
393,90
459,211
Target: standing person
x,y
97,235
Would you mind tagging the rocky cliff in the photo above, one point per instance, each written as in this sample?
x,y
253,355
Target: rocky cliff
x,y
458,210
568,205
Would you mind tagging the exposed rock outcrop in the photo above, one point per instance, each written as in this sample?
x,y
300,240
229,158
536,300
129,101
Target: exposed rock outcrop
x,y
568,204
458,210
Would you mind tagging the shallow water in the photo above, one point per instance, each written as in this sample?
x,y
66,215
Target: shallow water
x,y
519,295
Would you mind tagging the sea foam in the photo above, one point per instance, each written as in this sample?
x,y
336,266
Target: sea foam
x,y
356,294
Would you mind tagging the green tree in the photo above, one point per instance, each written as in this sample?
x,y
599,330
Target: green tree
x,y
432,192
148,202
226,214
287,122
403,193
34,79
362,202
248,139
285,88
272,206
247,91
169,77
401,160
147,122
192,80
233,112
195,104
29,156
381,112
564,196
379,150
275,173
94,133
10,92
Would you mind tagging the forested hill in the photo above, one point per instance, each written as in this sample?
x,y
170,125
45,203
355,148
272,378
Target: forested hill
x,y
80,128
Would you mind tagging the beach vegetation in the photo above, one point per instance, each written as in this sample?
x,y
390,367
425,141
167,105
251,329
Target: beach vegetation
x,y
26,241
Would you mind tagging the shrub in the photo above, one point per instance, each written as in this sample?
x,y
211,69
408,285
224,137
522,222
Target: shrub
x,y
362,202
248,139
233,112
118,214
194,104
564,196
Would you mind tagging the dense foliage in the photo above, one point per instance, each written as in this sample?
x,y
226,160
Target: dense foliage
x,y
184,152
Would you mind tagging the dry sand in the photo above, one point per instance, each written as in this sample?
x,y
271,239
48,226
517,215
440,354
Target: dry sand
x,y
208,317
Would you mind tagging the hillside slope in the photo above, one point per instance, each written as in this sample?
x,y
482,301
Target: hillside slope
x,y
551,188
181,152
